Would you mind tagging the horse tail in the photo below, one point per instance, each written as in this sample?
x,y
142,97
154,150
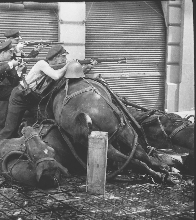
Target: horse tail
x,y
83,127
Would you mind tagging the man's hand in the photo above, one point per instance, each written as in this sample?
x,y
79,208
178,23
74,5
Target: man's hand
x,y
22,68
39,47
93,63
19,47
13,63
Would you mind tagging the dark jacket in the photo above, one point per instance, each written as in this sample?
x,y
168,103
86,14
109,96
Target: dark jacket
x,y
10,74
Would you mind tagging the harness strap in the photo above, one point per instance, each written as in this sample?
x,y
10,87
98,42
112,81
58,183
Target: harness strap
x,y
181,127
68,97
29,138
162,128
44,159
87,89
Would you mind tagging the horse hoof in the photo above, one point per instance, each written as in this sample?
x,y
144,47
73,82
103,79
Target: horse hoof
x,y
172,180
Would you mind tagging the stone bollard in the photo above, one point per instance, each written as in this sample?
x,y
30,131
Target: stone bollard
x,y
97,162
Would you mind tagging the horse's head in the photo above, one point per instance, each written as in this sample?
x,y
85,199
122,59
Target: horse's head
x,y
36,147
47,168
179,130
48,172
169,131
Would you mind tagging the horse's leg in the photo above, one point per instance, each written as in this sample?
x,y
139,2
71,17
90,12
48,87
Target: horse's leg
x,y
126,139
135,164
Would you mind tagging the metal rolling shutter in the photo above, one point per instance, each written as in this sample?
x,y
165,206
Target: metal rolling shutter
x,y
34,25
135,30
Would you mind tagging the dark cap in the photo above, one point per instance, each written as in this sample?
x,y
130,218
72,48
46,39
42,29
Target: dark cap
x,y
12,33
5,45
55,50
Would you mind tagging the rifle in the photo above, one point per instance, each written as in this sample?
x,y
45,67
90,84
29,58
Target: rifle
x,y
44,42
28,60
82,62
102,60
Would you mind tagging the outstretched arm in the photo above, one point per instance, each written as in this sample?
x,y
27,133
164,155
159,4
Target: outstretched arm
x,y
35,51
45,67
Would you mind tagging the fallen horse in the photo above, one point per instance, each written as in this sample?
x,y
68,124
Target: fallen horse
x,y
79,107
169,133
30,161
84,106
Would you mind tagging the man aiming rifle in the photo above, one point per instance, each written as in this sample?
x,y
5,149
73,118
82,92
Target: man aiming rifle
x,y
9,67
41,42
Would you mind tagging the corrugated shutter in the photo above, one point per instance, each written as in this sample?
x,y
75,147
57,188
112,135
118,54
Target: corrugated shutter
x,y
135,30
34,25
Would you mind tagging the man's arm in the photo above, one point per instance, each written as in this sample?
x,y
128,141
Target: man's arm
x,y
86,68
32,54
45,67
35,51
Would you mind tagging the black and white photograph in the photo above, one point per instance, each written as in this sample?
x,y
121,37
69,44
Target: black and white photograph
x,y
97,110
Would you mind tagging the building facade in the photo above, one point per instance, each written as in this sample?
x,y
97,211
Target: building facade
x,y
156,38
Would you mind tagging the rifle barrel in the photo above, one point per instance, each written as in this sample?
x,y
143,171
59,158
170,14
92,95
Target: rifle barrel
x,y
31,43
101,60
110,59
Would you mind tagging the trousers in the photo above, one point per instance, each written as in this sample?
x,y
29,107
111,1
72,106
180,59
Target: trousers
x,y
5,92
16,109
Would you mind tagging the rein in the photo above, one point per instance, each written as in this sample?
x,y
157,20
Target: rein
x,y
180,128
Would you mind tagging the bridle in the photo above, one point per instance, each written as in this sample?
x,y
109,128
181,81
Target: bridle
x,y
169,137
180,128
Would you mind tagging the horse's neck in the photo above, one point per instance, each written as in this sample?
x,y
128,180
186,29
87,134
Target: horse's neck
x,y
32,138
75,85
